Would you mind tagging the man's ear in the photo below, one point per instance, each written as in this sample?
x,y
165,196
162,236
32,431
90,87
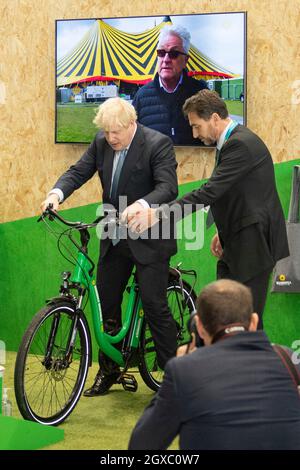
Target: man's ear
x,y
253,322
202,331
216,118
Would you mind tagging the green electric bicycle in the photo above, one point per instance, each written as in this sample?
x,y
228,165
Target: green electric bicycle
x,y
56,350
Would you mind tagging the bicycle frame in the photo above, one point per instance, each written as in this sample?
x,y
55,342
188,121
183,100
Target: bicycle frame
x,y
134,313
55,353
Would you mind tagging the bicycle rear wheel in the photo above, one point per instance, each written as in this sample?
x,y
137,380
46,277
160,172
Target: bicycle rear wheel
x,y
182,302
48,386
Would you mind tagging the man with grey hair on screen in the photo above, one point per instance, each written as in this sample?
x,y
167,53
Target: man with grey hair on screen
x,y
159,103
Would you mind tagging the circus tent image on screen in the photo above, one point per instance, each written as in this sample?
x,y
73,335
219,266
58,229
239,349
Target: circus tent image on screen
x,y
108,61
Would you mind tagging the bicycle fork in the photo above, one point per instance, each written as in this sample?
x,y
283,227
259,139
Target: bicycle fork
x,y
62,361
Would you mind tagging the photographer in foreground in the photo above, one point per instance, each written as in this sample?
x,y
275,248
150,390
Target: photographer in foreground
x,y
234,393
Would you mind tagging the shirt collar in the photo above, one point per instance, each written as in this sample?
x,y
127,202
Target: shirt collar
x,y
222,136
167,91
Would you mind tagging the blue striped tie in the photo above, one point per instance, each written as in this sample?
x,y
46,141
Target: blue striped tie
x,y
114,190
116,177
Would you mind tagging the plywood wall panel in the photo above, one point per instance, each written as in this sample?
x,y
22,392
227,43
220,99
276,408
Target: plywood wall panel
x,y
30,162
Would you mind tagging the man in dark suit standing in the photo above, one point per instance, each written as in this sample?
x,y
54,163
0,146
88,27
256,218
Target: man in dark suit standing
x,y
138,164
235,393
241,192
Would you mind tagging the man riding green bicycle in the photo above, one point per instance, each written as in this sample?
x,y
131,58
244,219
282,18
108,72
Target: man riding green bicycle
x,y
137,163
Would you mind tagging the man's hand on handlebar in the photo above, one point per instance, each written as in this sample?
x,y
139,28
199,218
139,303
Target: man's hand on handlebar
x,y
51,199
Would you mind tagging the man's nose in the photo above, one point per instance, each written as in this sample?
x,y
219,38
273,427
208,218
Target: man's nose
x,y
195,133
167,58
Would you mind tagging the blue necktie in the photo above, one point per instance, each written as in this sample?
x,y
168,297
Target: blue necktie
x,y
114,190
116,177
210,217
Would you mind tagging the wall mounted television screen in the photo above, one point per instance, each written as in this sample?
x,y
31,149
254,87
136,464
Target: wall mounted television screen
x,y
101,58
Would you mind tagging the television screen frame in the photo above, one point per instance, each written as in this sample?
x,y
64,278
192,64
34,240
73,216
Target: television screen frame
x,y
71,96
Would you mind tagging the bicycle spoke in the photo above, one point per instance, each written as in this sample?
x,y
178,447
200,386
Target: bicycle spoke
x,y
48,381
181,306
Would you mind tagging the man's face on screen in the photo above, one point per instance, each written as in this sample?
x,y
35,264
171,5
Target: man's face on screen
x,y
169,69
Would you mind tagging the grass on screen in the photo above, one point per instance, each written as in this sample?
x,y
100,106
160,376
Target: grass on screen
x,y
75,121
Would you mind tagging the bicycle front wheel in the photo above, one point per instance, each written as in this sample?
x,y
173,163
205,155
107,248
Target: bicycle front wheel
x,y
182,302
48,381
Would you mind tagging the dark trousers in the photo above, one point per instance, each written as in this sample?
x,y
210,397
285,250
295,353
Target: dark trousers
x,y
258,285
114,270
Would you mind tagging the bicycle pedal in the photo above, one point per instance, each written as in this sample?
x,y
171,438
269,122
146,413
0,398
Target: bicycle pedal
x,y
129,382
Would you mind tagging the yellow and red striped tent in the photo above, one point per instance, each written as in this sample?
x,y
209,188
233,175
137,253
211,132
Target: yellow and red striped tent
x,y
108,54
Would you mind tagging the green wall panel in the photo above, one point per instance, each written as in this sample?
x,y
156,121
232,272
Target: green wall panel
x,y
31,267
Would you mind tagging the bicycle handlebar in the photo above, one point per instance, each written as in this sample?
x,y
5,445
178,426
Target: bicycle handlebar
x,y
84,234
52,214
82,228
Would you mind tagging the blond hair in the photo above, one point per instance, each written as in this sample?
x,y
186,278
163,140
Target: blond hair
x,y
115,112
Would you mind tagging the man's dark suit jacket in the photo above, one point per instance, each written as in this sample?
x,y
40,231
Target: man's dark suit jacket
x,y
245,204
149,173
234,394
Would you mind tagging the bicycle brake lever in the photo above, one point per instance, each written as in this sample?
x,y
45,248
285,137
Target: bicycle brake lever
x,y
98,219
50,206
46,212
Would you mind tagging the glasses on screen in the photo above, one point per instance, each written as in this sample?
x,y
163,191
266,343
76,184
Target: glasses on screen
x,y
172,54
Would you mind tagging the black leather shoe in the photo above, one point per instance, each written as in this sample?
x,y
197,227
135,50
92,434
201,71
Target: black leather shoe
x,y
102,384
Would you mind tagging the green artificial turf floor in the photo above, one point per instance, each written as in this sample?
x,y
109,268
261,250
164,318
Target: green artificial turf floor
x,y
97,423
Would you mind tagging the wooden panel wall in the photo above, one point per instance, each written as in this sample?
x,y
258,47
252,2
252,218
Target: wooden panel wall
x,y
29,159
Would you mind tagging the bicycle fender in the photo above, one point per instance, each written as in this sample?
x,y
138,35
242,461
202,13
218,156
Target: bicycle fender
x,y
61,299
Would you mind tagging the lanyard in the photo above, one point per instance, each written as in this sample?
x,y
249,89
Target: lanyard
x,y
227,135
229,130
